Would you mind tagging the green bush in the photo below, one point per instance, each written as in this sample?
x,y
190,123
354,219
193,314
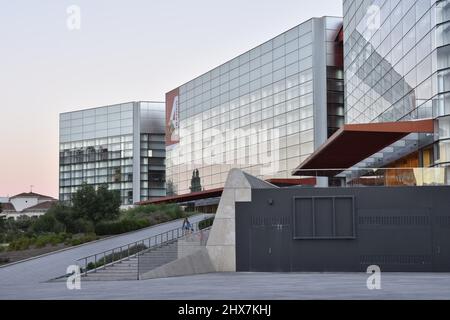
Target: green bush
x,y
41,241
80,226
23,223
120,226
52,239
80,240
205,223
22,243
47,223
169,211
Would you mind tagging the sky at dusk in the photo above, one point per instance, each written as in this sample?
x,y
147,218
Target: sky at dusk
x,y
124,51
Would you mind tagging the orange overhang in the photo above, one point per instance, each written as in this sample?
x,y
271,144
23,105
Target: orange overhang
x,y
185,197
355,142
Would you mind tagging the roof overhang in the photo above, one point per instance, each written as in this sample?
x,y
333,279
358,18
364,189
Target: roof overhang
x,y
293,182
214,193
185,197
354,143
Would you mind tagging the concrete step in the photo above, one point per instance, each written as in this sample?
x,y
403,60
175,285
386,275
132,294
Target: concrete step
x,y
126,263
144,259
128,269
119,268
109,271
111,278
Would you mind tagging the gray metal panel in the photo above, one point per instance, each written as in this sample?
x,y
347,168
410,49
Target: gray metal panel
x,y
399,229
323,218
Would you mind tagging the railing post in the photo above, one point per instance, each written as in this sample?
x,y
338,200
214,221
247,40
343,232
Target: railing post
x,y
128,252
85,266
95,261
138,266
104,260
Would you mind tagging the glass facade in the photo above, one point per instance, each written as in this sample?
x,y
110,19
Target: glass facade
x,y
397,65
120,145
264,111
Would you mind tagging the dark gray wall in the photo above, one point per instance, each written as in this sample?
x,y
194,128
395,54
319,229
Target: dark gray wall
x,y
344,229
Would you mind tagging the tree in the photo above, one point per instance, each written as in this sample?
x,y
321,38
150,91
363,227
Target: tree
x,y
47,223
170,188
65,216
63,213
109,203
84,202
96,205
2,220
196,185
2,224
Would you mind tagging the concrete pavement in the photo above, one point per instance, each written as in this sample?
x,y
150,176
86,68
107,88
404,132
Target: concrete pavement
x,y
247,286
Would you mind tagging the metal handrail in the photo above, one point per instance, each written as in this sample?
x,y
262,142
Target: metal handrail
x,y
125,249
198,232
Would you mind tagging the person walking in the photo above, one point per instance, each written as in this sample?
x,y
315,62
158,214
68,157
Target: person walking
x,y
187,226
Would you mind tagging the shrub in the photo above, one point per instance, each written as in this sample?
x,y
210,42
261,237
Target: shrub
x,y
41,241
80,240
22,243
47,223
205,223
22,223
120,226
170,211
53,239
80,226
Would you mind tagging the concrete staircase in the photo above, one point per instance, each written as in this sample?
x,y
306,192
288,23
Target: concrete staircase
x,y
124,270
128,269
159,257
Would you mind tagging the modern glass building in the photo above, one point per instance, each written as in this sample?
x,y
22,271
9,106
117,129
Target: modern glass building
x,y
120,145
397,68
264,111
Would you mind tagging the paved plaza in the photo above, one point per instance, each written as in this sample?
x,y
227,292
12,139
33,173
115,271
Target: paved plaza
x,y
244,286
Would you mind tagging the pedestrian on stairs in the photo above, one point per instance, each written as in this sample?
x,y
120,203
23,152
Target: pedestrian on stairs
x,y
187,226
